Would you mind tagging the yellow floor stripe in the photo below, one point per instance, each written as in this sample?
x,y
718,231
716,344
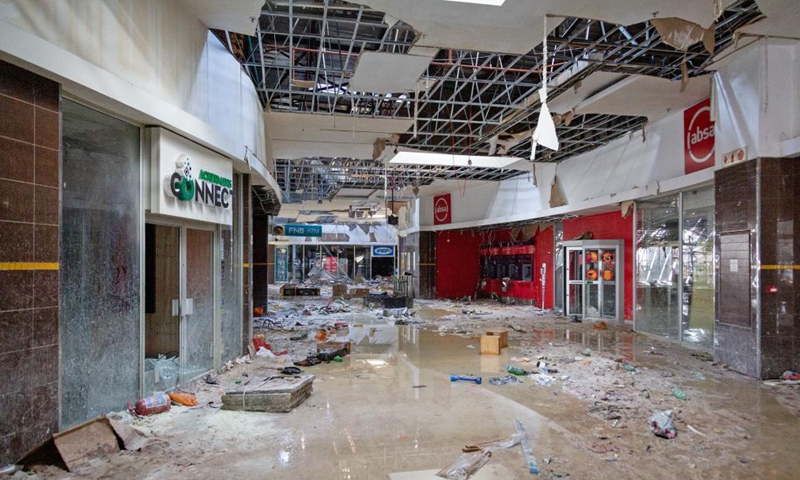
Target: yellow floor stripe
x,y
780,267
246,265
28,266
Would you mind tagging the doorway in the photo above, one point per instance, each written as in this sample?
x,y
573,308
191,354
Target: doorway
x,y
179,305
594,279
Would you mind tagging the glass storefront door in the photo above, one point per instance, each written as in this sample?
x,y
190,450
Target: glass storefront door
x,y
675,266
179,305
197,312
593,289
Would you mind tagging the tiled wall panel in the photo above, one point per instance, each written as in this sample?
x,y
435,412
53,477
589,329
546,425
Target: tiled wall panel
x,y
30,137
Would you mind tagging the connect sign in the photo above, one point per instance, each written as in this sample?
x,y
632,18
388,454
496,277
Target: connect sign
x,y
698,137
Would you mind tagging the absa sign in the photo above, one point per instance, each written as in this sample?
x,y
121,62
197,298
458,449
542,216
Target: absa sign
x,y
441,210
698,137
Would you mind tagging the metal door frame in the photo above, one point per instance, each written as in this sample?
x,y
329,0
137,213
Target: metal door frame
x,y
216,291
583,245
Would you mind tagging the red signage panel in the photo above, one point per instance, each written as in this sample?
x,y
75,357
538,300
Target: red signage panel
x,y
698,137
442,213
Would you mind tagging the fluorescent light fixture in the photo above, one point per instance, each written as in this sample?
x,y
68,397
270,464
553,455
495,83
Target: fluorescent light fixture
x,y
494,3
445,160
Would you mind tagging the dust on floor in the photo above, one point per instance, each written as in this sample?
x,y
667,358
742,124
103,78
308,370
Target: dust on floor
x,y
389,410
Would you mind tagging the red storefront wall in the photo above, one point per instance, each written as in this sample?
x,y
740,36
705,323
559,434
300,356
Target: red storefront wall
x,y
457,263
608,226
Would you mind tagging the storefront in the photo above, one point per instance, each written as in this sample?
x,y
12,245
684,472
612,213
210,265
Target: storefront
x,y
674,271
151,270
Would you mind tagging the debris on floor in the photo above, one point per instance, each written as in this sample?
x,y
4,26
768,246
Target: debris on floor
x,y
662,425
273,394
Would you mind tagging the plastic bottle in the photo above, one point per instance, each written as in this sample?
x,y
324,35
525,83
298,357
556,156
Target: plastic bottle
x,y
153,404
515,370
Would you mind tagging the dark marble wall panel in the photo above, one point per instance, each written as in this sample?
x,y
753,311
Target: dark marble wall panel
x,y
779,226
30,137
247,259
427,264
260,260
735,333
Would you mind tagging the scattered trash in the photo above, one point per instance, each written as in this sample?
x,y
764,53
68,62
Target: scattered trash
x,y
513,440
517,328
211,380
321,335
600,326
471,346
263,352
330,355
629,368
465,465
419,386
504,380
694,430
299,337
586,352
308,362
291,371
515,370
743,460
704,356
274,394
544,380
338,359
183,398
10,469
791,376
152,405
475,380
679,394
662,425
527,449
699,376
547,460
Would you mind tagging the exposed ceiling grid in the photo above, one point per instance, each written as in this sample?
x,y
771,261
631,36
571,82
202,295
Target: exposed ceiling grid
x,y
309,51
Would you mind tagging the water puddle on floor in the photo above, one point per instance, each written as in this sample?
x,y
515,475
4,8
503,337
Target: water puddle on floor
x,y
407,369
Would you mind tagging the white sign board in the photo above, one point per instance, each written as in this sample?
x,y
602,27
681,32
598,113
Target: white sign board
x,y
188,180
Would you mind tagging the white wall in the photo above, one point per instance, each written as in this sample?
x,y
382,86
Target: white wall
x,y
625,169
757,98
148,60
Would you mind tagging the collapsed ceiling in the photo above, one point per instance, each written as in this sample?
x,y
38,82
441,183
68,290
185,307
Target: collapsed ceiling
x,y
477,91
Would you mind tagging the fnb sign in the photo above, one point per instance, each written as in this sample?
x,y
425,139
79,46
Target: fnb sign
x,y
698,137
441,209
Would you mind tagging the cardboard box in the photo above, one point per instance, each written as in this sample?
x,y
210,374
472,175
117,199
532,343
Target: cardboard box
x,y
490,345
503,334
339,290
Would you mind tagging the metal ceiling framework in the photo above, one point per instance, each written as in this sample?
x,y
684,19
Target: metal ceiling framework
x,y
308,51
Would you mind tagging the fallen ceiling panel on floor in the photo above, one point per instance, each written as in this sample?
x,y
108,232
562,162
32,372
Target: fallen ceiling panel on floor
x,y
388,72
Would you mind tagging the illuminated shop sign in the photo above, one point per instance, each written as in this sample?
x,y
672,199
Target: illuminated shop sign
x,y
188,180
209,188
382,251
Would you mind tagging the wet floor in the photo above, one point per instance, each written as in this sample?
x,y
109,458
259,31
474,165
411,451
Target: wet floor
x,y
390,411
